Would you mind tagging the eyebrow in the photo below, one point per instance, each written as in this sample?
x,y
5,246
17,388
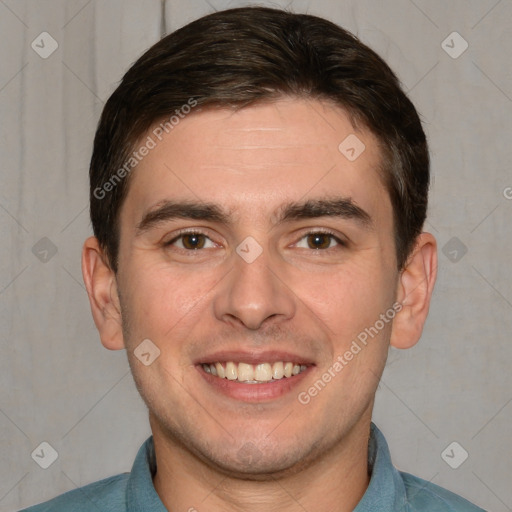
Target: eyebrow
x,y
339,207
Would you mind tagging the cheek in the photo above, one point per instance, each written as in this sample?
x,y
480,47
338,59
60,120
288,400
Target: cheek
x,y
350,298
158,298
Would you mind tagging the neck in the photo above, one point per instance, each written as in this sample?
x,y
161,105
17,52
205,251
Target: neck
x,y
334,482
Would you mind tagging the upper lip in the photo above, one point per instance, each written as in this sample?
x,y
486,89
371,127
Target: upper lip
x,y
253,357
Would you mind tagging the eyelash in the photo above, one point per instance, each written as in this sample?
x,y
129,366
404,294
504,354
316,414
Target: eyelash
x,y
181,234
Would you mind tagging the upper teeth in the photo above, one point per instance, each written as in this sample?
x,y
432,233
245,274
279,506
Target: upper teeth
x,y
249,373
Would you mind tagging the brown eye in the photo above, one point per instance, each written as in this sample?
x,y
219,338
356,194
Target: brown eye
x,y
319,240
190,241
193,241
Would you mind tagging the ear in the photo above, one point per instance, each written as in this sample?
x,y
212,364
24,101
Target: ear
x,y
415,286
101,284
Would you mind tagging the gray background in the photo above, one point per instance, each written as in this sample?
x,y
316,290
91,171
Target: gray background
x,y
59,385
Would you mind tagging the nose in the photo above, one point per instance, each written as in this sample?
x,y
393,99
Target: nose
x,y
253,294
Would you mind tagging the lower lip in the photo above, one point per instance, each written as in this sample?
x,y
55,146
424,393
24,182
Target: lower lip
x,y
264,392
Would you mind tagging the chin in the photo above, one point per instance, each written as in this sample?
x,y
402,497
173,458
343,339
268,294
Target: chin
x,y
259,463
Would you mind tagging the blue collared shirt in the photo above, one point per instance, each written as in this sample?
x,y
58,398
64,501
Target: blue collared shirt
x,y
389,491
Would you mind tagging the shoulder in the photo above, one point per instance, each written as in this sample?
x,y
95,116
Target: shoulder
x,y
108,495
426,496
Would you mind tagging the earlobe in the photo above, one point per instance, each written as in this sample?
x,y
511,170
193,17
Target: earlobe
x,y
415,287
101,284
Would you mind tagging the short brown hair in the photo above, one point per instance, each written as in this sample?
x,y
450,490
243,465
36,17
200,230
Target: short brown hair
x,y
238,57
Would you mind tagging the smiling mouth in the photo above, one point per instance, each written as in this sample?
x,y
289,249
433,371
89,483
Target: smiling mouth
x,y
254,373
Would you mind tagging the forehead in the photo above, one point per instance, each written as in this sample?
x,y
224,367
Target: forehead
x,y
252,159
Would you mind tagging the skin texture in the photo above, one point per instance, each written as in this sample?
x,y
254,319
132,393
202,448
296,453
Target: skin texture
x,y
214,451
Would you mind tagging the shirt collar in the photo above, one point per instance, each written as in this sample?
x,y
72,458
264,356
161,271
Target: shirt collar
x,y
141,495
385,493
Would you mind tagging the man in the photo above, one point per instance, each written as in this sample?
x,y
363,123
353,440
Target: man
x,y
259,184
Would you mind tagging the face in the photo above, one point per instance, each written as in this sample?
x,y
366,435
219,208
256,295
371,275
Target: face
x,y
253,253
